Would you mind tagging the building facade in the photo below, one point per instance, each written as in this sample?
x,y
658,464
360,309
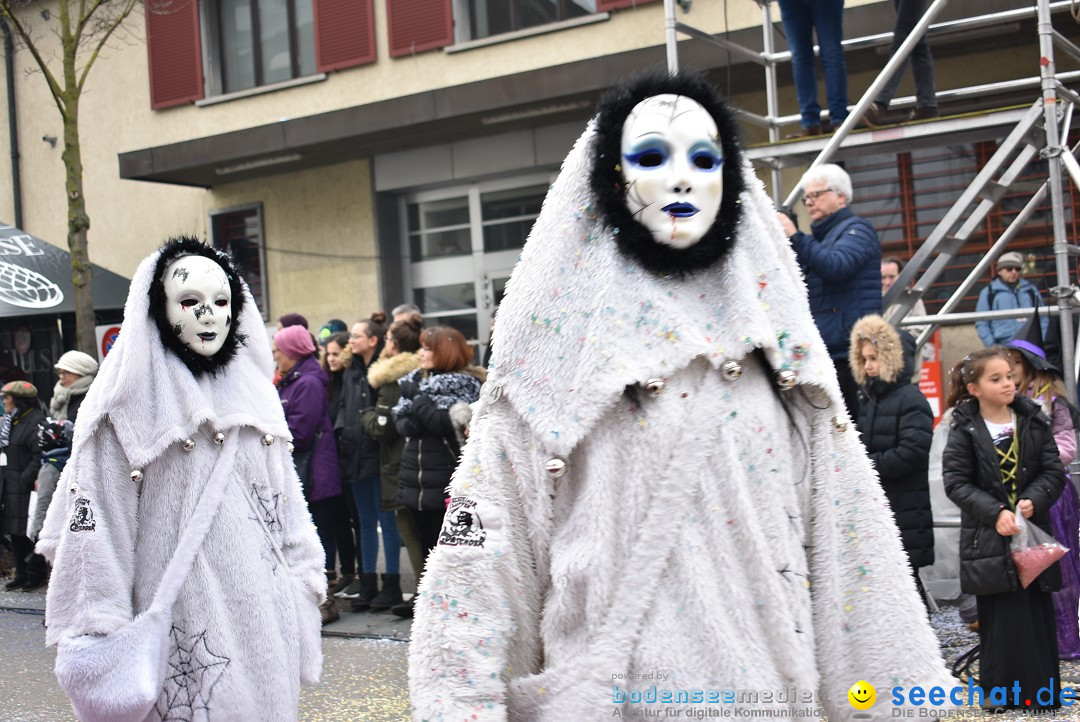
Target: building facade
x,y
357,154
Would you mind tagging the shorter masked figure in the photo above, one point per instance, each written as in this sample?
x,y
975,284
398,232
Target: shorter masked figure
x,y
191,368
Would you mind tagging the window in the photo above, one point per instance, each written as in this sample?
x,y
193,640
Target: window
x,y
494,17
508,216
239,232
260,42
438,229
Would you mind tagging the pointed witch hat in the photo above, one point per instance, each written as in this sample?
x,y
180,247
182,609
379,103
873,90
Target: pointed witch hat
x,y
1029,342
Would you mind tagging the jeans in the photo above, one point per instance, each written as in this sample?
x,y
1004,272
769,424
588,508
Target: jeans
x,y
908,13
367,493
801,18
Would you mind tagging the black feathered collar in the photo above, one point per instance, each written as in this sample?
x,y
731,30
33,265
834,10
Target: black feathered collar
x,y
198,364
633,238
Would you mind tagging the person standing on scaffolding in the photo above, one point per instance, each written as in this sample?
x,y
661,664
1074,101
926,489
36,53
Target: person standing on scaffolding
x,y
908,13
1007,291
801,18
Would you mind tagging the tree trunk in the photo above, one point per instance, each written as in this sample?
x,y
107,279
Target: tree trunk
x,y
78,225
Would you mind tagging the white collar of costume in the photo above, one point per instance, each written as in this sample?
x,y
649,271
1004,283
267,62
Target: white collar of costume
x,y
580,322
151,398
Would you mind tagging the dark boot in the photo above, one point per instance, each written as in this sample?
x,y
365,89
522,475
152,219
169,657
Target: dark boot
x,y
369,589
390,594
405,609
21,548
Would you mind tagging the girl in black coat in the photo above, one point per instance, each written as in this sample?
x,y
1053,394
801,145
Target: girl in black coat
x,y
896,427
1001,459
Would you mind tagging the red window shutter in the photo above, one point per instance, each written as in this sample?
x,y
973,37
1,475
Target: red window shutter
x,y
602,6
419,25
172,43
344,33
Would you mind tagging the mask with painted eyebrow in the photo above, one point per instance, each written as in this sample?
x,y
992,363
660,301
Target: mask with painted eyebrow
x,y
198,303
671,166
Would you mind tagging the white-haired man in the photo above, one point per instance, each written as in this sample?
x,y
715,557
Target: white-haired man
x,y
841,259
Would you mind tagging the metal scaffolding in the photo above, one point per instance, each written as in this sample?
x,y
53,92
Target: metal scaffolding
x,y
1037,133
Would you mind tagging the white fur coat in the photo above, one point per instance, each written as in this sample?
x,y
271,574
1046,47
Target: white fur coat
x,y
701,536
246,630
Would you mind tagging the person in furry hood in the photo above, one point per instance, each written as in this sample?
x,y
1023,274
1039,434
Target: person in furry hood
x,y
896,426
245,630
661,494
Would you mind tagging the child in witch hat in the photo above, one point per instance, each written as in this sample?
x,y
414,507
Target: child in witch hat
x,y
1036,377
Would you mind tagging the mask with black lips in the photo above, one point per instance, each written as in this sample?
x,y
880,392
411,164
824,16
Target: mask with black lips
x,y
667,172
196,301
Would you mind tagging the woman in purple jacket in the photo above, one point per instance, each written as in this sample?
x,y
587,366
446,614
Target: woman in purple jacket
x,y
303,392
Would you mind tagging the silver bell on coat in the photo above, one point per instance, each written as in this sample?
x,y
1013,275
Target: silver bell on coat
x,y
268,439
136,475
219,438
556,468
188,444
786,379
731,370
289,446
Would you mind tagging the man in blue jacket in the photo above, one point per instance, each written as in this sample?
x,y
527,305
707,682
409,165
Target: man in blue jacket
x,y
1007,291
841,259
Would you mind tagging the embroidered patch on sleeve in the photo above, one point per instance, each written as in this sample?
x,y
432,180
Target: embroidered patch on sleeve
x,y
82,519
462,526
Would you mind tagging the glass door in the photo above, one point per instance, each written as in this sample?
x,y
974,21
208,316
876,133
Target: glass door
x,y
462,243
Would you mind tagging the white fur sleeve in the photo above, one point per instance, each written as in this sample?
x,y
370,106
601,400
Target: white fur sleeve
x,y
477,615
863,593
304,554
92,527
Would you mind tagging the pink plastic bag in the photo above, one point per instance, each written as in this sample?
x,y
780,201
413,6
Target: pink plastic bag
x,y
1033,550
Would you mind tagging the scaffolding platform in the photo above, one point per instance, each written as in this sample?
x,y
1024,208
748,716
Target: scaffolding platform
x,y
946,130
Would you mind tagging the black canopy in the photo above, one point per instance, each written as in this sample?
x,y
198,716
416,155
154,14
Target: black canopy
x,y
35,278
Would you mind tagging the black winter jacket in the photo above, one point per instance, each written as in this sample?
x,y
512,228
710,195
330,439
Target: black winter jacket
x,y
896,427
358,453
973,481
431,447
17,477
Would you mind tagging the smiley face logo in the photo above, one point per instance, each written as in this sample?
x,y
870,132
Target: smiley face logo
x,y
862,695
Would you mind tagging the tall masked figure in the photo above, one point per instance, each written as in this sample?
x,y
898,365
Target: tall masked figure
x,y
188,379
662,501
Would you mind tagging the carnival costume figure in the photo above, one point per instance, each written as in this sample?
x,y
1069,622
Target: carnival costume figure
x,y
662,492
191,368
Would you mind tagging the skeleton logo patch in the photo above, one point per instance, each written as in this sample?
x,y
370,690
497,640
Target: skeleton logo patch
x,y
82,519
462,526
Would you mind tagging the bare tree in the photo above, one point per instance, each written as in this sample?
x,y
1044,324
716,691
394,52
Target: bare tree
x,y
83,28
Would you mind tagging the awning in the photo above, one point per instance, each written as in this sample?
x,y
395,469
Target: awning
x,y
35,278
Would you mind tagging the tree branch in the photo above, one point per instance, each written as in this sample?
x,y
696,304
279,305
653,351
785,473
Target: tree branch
x,y
105,33
20,31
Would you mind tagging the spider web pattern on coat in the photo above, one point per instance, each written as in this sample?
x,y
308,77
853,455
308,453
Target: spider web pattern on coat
x,y
193,672
268,513
268,508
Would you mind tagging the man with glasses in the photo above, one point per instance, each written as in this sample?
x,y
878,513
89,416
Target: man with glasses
x,y
840,259
1007,291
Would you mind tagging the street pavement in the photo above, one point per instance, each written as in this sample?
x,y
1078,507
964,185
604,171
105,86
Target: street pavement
x,y
364,668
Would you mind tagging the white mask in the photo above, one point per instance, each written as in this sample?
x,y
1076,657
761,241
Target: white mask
x,y
198,303
672,164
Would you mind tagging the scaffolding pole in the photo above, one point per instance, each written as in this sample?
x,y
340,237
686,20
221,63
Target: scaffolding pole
x,y
1053,154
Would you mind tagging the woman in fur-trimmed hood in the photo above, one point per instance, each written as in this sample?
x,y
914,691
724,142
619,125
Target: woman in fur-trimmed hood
x,y
190,372
897,427
661,491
